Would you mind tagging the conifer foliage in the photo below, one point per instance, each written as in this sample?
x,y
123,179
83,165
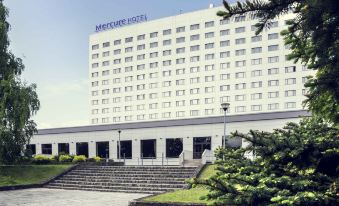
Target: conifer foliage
x,y
18,101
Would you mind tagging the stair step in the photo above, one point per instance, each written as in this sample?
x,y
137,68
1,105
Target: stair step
x,y
106,190
120,181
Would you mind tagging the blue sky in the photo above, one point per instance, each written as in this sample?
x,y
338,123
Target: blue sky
x,y
52,38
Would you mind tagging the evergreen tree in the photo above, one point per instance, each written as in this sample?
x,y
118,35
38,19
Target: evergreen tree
x,y
313,36
18,101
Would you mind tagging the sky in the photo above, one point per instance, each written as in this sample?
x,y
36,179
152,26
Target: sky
x,y
51,36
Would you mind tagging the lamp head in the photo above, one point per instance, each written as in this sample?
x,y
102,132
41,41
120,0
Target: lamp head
x,y
225,106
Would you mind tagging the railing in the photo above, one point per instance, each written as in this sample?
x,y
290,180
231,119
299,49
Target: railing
x,y
185,155
160,159
207,157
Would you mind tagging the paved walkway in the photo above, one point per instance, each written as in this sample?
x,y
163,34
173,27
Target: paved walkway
x,y
55,197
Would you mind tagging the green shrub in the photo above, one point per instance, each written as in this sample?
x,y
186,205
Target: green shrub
x,y
65,158
41,159
79,158
94,159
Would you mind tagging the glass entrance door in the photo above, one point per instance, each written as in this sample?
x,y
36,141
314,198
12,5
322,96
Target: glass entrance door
x,y
199,146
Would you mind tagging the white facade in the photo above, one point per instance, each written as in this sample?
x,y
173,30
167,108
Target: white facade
x,y
184,66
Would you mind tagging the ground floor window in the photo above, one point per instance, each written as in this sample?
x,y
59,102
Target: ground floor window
x,y
46,149
174,147
126,149
82,148
199,146
63,148
30,149
148,149
102,149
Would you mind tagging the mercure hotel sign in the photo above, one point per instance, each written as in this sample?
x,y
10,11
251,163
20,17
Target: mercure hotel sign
x,y
120,23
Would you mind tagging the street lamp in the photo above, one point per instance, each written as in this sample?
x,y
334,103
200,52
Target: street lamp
x,y
225,107
119,149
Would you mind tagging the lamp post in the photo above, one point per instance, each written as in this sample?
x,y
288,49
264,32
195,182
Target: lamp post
x,y
225,107
119,149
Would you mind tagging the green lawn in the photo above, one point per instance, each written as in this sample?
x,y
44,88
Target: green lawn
x,y
186,196
31,174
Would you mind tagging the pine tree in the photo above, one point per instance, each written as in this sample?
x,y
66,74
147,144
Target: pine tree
x,y
18,101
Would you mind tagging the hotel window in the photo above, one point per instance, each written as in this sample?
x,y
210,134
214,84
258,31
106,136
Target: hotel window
x,y
129,69
290,105
225,32
273,36
273,71
239,75
224,88
128,108
256,96
166,104
180,103
194,113
272,83
104,82
105,54
180,50
96,46
167,42
128,98
128,39
225,54
290,93
166,32
153,85
195,48
274,24
153,34
239,18
140,97
256,107
194,91
240,63
209,24
141,37
273,106
209,78
140,117
240,30
117,51
256,38
194,27
128,118
256,61
95,111
116,99
180,92
104,101
273,59
153,75
273,95
95,74
290,81
240,97
128,59
95,93
273,47
95,65
180,114
116,119
240,41
209,67
117,42
256,73
116,80
209,111
153,44
256,50
240,86
128,89
209,56
140,76
128,49
46,149
256,84
209,100
194,101
194,59
153,65
240,109
224,76
180,29
304,79
209,89
141,87
224,21
290,69
194,69
209,46
180,71
140,107
224,43
95,56
180,40
224,99
254,28
166,63
153,55
304,68
225,65
166,52
166,115
166,83
94,84
194,80
141,47
140,66
117,61
153,106
95,102
209,35
240,52
194,37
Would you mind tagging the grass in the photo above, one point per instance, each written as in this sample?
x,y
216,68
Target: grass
x,y
186,196
30,174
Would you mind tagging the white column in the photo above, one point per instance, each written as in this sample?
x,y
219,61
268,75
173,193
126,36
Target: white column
x,y
92,149
136,153
38,148
113,150
72,148
161,148
188,144
55,149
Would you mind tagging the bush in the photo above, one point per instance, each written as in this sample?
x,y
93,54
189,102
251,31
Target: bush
x,y
79,158
65,158
94,159
41,159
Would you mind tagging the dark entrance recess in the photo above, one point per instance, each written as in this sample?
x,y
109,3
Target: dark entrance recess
x,y
31,149
148,149
82,148
46,149
174,147
199,145
102,149
63,148
126,149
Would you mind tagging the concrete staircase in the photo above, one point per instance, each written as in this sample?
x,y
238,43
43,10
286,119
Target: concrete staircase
x,y
129,179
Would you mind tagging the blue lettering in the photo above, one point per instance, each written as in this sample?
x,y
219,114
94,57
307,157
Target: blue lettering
x,y
120,23
98,27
